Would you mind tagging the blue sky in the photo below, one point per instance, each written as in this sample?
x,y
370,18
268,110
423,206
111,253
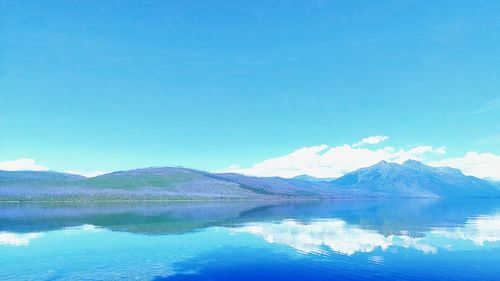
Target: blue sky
x,y
107,85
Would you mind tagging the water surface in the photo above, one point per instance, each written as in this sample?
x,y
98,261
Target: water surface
x,y
311,240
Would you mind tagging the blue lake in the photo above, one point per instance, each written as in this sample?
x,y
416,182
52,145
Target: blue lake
x,y
311,240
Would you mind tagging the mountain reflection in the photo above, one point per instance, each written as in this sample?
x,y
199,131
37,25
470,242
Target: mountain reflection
x,y
284,240
318,227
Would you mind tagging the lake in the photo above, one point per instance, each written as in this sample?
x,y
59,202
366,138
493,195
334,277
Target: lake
x,y
403,239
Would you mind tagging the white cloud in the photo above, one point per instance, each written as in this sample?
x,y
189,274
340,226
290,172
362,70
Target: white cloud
x,y
483,165
371,140
26,164
22,164
88,174
333,234
17,239
325,162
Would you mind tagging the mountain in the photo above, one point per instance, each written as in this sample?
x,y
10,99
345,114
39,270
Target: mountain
x,y
158,183
281,186
311,178
139,184
411,179
20,178
414,179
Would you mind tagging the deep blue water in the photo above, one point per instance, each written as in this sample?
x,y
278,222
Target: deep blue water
x,y
326,240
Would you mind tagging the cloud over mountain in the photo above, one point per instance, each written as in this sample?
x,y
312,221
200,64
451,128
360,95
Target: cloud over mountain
x,y
482,165
325,161
22,164
371,140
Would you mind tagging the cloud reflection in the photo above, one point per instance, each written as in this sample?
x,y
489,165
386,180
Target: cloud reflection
x,y
319,237
83,227
478,231
18,239
333,234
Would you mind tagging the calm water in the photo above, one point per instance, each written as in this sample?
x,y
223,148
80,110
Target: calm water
x,y
330,240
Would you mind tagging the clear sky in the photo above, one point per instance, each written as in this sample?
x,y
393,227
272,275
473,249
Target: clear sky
x,y
107,85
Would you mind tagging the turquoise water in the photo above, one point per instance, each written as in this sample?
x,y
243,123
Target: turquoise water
x,y
327,240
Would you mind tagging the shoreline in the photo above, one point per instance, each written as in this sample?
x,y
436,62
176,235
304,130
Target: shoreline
x,y
243,200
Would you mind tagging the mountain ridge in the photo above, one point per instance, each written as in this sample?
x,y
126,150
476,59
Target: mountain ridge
x,y
413,178
306,177
382,180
